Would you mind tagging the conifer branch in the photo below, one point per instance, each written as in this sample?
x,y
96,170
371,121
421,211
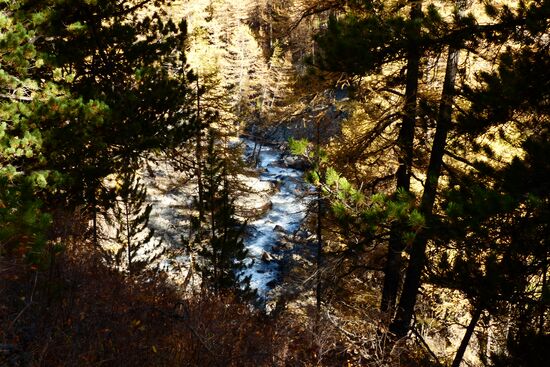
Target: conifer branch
x,y
317,8
16,98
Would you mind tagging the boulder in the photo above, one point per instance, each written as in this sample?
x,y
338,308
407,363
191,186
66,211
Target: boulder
x,y
279,228
296,162
300,237
267,257
253,205
285,243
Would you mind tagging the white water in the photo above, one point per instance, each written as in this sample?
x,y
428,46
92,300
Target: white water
x,y
288,210
173,201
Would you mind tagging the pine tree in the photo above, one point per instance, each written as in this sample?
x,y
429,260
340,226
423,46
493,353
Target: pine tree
x,y
371,36
130,216
219,238
498,230
23,219
403,174
433,172
418,252
124,66
503,263
367,38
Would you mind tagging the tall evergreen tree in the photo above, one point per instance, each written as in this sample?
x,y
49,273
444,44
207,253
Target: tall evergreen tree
x,y
405,142
534,26
219,237
498,213
23,221
130,216
124,62
433,172
371,36
496,247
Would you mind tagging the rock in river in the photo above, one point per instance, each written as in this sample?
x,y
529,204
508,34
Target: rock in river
x,y
279,228
267,257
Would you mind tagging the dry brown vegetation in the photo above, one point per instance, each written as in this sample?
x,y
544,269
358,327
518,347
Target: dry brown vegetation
x,y
78,312
81,313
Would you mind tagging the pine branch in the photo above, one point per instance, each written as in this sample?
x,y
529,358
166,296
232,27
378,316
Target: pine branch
x,y
130,9
317,8
16,98
460,159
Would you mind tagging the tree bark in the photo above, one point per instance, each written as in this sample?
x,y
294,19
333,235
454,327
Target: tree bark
x,y
392,270
405,310
94,223
95,228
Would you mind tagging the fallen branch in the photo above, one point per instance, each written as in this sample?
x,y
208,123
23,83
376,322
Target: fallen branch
x,y
425,345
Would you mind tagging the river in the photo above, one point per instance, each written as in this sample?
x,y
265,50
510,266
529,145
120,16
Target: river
x,y
288,210
172,202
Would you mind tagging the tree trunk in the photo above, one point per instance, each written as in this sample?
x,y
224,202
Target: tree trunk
x,y
128,237
318,292
405,311
542,296
466,339
392,271
95,229
215,256
94,222
198,157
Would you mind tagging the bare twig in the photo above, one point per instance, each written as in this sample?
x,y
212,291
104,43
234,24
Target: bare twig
x,y
29,303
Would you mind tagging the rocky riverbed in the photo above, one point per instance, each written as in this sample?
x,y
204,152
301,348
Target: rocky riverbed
x,y
271,234
272,199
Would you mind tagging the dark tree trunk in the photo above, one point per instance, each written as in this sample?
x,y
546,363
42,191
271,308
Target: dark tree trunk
x,y
466,339
392,270
94,222
198,156
405,311
128,237
318,291
542,298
